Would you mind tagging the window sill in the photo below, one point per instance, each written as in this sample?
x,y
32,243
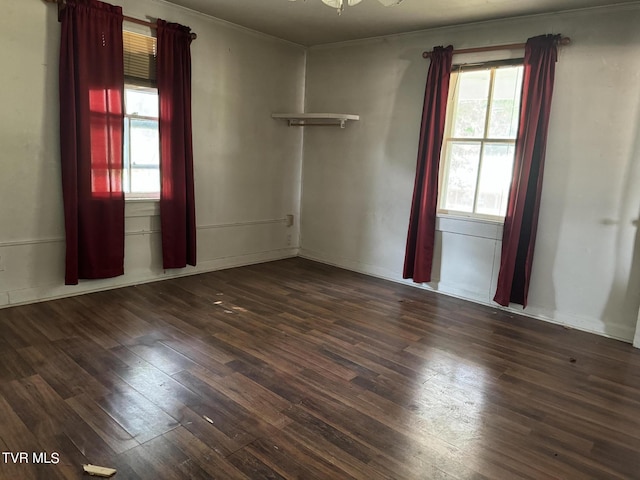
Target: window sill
x,y
470,226
469,218
141,207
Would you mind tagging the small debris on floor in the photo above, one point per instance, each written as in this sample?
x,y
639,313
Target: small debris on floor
x,y
217,303
97,471
572,360
208,419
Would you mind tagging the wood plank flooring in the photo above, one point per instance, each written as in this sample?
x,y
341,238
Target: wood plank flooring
x,y
297,370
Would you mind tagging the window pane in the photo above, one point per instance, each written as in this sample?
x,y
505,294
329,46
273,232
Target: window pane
x,y
145,146
145,180
462,175
145,156
141,102
471,107
505,105
495,179
125,170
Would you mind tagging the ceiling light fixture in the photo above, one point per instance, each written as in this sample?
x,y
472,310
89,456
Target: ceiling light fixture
x,y
340,4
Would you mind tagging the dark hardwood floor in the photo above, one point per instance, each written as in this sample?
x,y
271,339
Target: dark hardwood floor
x,y
294,369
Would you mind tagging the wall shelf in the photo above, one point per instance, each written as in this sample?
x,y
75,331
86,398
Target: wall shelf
x,y
316,119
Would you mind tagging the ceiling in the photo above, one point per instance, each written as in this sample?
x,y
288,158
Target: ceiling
x,y
310,22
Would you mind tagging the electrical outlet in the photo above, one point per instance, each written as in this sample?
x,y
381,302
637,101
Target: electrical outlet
x,y
289,240
289,220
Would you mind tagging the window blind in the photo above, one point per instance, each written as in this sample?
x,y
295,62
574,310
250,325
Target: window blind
x,y
139,59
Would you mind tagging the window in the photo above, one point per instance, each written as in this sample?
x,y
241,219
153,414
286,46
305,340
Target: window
x,y
141,177
479,143
141,173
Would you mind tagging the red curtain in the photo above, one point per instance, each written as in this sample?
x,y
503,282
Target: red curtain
x,y
521,221
422,222
91,129
177,206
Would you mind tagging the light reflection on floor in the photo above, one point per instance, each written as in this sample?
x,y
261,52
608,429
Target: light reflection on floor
x,y
449,407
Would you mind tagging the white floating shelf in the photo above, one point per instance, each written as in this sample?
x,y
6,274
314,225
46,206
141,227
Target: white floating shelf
x,y
319,119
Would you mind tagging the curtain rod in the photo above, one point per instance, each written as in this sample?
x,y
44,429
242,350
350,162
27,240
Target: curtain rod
x,y
510,46
153,25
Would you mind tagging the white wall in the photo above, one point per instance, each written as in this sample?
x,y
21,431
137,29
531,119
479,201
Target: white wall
x,y
247,166
358,182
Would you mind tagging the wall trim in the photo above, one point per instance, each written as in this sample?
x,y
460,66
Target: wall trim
x,y
589,325
623,6
35,241
45,293
49,292
32,241
242,224
227,23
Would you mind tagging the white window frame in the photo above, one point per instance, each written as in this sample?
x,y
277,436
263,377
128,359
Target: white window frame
x,y
136,196
448,138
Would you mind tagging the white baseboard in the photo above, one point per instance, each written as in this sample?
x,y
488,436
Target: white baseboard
x,y
590,325
51,292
